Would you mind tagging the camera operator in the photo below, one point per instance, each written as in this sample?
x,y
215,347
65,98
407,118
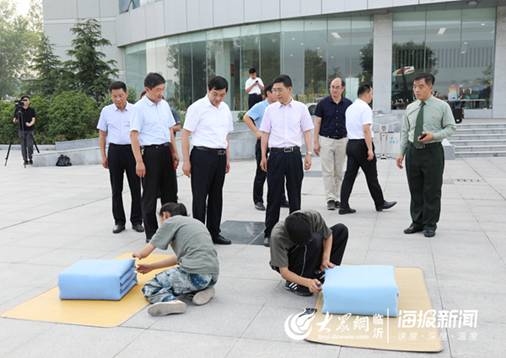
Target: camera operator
x,y
26,114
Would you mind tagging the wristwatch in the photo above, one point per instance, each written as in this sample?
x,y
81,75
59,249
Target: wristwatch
x,y
310,153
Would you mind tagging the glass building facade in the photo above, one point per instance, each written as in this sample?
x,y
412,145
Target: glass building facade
x,y
456,45
311,51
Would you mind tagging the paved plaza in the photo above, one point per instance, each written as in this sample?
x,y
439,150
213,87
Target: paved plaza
x,y
51,217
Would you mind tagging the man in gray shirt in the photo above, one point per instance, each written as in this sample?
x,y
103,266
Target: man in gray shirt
x,y
302,247
197,260
426,123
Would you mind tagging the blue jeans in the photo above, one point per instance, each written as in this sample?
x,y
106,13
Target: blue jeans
x,y
168,285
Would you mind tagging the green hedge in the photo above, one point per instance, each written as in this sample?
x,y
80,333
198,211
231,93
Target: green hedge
x,y
68,115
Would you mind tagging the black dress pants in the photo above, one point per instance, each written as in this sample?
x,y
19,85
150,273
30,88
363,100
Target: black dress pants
x,y
305,260
424,169
260,176
160,180
121,160
208,167
282,166
254,99
356,150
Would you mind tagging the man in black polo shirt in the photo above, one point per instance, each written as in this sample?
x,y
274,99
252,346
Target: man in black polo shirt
x,y
330,139
25,130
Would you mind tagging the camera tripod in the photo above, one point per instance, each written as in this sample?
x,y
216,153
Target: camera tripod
x,y
22,130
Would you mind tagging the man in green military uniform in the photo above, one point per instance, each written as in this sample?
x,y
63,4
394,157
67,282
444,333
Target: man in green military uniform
x,y
426,123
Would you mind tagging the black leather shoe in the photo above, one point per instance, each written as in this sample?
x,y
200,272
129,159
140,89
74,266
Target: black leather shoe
x,y
413,228
30,161
260,206
285,204
267,241
429,232
138,227
118,228
220,240
343,211
331,205
386,205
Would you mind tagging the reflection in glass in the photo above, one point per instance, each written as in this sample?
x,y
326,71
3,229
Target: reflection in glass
x,y
457,46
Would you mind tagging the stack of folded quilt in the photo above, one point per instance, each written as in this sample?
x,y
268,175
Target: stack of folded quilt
x,y
97,280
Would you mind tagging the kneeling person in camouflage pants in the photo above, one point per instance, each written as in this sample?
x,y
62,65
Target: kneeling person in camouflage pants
x,y
197,260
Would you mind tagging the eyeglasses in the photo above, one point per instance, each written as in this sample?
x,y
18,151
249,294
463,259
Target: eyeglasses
x,y
24,100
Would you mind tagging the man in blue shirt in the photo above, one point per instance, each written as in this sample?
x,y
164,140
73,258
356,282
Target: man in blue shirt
x,y
330,139
253,119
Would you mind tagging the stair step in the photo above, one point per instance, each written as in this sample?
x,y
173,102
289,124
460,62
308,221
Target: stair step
x,y
479,154
481,125
473,142
480,148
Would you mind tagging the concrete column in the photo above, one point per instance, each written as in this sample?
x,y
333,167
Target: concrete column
x,y
382,62
499,90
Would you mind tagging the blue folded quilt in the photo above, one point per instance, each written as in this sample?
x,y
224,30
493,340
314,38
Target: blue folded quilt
x,y
97,280
361,290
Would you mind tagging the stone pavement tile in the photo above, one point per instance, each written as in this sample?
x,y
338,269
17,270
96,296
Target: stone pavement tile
x,y
400,243
222,316
78,341
174,344
348,352
254,348
15,334
398,259
65,257
15,254
269,324
489,303
486,340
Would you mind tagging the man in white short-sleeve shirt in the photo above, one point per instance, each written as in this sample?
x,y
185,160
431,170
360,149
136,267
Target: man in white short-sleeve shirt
x,y
253,87
360,152
208,121
284,124
154,149
114,130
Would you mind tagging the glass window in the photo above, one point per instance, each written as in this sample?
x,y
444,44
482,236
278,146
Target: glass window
x,y
292,53
135,66
173,84
250,57
270,39
315,60
457,46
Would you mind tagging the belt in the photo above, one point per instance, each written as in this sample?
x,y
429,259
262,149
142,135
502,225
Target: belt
x,y
285,149
119,145
427,145
333,136
156,146
219,151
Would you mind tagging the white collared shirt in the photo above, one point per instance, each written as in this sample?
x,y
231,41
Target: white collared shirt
x,y
358,114
286,123
256,89
152,120
209,125
116,123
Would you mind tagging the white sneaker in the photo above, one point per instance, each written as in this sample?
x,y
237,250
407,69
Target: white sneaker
x,y
166,308
204,296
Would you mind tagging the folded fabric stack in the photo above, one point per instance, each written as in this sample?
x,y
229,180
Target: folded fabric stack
x,y
97,280
362,290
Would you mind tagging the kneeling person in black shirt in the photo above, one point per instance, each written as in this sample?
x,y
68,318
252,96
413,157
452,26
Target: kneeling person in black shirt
x,y
302,247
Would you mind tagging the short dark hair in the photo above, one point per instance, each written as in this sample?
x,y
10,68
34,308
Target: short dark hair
x,y
427,77
298,228
284,79
267,88
343,83
142,94
118,85
363,88
25,96
153,79
217,83
252,70
174,209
